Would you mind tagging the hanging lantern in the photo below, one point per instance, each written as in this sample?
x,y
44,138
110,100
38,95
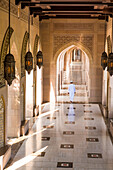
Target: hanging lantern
x,y
104,60
9,62
39,57
9,68
110,64
28,62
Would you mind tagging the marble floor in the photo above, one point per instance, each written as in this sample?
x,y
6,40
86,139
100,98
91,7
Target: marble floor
x,y
66,136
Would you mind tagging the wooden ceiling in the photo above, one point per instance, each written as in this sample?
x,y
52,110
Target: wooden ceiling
x,y
78,9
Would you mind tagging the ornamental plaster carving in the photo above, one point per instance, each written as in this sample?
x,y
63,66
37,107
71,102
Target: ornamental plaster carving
x,y
61,40
73,26
4,4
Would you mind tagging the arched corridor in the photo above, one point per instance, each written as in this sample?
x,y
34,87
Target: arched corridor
x,y
45,48
73,65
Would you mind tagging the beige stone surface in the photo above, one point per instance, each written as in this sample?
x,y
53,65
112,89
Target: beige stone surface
x,y
13,94
62,33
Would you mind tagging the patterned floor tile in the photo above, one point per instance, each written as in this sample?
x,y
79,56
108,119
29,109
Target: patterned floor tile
x,y
67,146
41,154
92,139
88,111
90,127
45,138
51,117
69,122
88,118
94,155
65,165
48,127
70,114
71,108
68,133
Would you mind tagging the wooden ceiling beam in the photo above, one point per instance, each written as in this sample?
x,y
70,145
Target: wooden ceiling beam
x,y
72,17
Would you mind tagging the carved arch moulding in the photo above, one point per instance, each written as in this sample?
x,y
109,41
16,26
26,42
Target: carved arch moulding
x,y
84,43
35,49
4,49
23,52
61,40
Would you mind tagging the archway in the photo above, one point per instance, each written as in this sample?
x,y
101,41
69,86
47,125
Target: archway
x,y
2,122
73,63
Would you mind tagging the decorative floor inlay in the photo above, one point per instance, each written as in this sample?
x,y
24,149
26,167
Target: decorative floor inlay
x,y
77,94
94,155
69,122
71,108
48,127
41,154
87,105
45,138
90,127
88,111
67,146
66,102
88,118
64,165
70,114
92,140
68,133
51,117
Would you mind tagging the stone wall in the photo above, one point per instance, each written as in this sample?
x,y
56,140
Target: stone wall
x,y
58,34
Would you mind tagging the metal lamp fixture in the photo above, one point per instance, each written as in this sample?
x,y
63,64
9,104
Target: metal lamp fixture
x,y
28,56
104,54
39,57
9,62
104,60
28,62
110,64
110,58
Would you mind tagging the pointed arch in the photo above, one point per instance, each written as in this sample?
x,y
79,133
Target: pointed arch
x,y
4,48
35,48
23,52
73,43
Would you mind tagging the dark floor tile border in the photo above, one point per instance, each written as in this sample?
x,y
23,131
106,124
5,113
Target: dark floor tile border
x,y
88,118
64,165
88,111
70,114
67,146
70,122
92,139
48,127
90,127
45,138
41,154
86,105
71,108
68,132
51,117
94,155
